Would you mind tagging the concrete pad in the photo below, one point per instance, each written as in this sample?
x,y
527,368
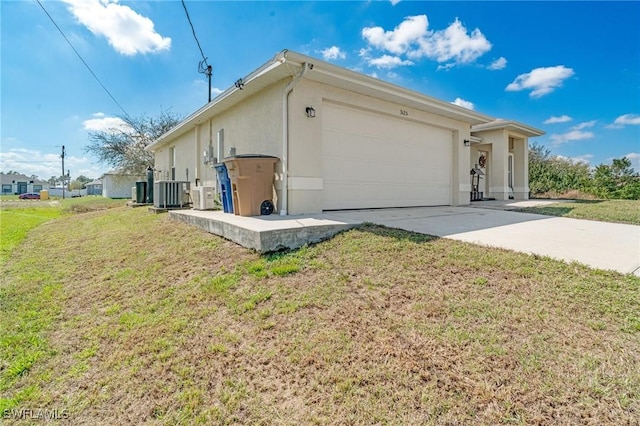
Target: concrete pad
x,y
603,245
266,233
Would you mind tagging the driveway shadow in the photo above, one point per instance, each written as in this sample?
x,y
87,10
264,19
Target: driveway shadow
x,y
438,221
549,211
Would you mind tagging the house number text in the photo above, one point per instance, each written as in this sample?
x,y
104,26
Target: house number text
x,y
404,112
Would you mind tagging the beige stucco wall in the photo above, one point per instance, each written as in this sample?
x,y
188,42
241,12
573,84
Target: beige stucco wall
x,y
255,127
252,127
305,149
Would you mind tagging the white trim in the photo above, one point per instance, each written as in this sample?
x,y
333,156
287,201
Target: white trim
x,y
305,183
512,125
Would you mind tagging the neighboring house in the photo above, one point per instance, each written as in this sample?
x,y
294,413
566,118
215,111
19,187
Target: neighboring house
x,y
116,184
94,187
347,141
19,184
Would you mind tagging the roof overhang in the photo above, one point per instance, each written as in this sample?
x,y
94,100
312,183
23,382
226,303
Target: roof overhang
x,y
287,64
513,126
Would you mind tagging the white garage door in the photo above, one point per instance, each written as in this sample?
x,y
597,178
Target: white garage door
x,y
371,160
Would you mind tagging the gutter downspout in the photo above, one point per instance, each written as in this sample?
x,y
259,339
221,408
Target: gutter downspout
x,y
285,136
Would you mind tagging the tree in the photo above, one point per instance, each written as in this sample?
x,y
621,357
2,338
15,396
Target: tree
x,y
550,173
122,146
80,182
617,180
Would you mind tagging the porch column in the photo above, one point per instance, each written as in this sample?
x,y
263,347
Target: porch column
x,y
520,169
499,188
461,181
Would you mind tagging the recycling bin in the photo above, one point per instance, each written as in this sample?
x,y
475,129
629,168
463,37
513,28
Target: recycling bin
x,y
141,191
225,187
252,179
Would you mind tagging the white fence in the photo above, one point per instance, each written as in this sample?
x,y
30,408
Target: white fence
x,y
57,192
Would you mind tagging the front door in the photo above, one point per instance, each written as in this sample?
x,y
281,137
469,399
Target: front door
x,y
22,187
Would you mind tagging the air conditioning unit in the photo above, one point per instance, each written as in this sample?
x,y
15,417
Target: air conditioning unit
x,y
203,197
170,193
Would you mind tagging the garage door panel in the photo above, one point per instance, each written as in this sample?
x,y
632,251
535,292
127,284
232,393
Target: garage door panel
x,y
371,160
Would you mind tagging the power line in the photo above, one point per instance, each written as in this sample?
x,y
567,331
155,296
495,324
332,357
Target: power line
x,y
202,69
204,59
83,61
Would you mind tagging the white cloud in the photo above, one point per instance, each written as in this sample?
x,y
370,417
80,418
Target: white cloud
x,y
44,165
541,81
394,2
388,61
464,104
126,31
453,44
498,64
201,85
624,120
634,157
572,135
101,123
334,53
413,38
586,158
561,119
400,39
584,125
393,75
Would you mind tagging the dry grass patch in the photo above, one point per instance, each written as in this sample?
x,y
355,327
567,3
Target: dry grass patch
x,y
157,322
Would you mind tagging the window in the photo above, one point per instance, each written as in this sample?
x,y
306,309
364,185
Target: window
x,y
6,188
37,188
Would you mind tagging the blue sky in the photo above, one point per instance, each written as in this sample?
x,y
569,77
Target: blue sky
x,y
571,69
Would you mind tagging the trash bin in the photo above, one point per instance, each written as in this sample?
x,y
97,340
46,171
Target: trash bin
x,y
251,179
225,187
141,192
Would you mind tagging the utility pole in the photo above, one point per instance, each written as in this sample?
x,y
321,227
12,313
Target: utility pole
x,y
62,156
209,71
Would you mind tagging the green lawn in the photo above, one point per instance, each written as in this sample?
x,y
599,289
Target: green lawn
x,y
124,317
18,217
620,211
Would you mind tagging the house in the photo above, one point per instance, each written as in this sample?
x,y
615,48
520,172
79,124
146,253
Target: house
x,y
118,184
94,187
348,141
19,184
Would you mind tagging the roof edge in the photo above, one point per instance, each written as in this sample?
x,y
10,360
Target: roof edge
x,y
464,114
192,119
512,125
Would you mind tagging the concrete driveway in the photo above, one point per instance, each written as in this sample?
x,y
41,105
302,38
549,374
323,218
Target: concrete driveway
x,y
597,244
